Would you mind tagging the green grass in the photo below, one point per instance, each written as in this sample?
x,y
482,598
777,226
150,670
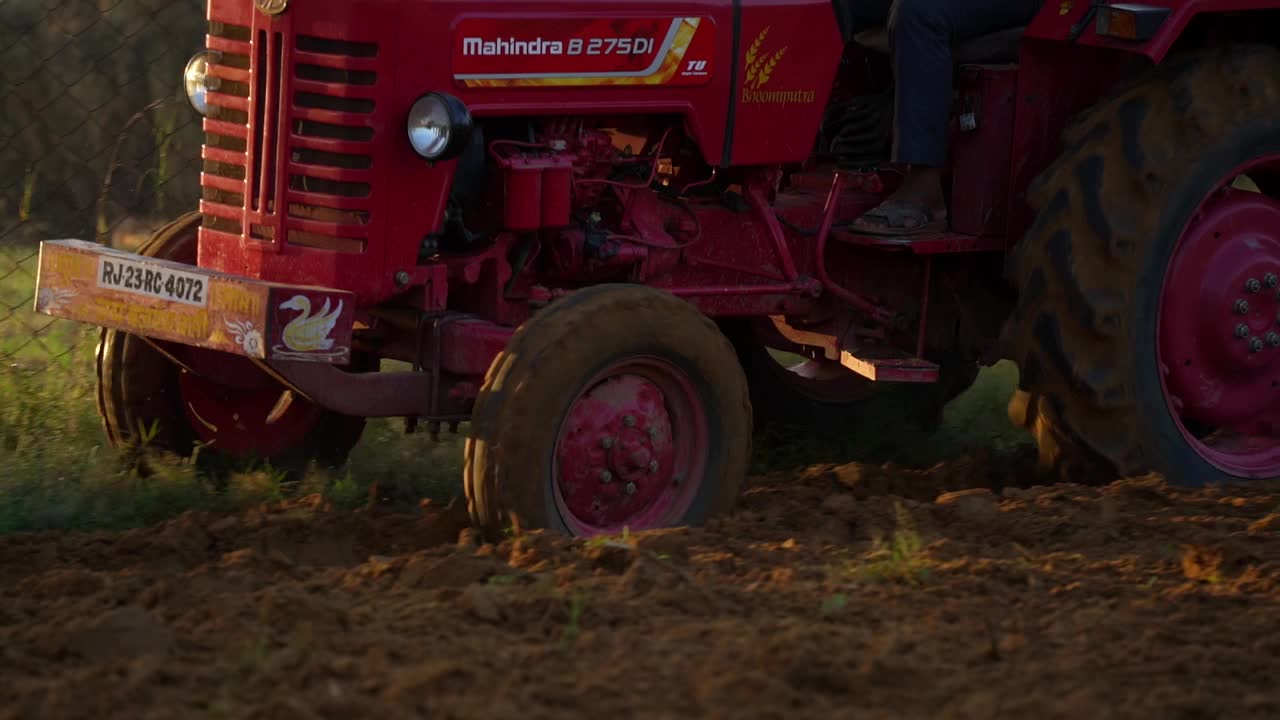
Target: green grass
x,y
57,472
28,340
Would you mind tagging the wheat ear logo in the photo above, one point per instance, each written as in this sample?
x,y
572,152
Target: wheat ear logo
x,y
761,64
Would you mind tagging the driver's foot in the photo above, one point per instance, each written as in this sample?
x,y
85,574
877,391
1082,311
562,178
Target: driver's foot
x,y
915,208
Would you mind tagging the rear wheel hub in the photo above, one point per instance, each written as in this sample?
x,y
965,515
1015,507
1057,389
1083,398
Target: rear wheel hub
x,y
1219,332
631,449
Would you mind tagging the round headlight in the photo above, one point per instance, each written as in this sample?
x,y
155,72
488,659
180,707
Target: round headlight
x,y
195,80
439,126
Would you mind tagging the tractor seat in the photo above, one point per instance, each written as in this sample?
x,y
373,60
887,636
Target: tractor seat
x,y
991,49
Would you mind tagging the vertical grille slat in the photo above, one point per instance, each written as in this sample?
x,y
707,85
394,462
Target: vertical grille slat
x,y
271,133
260,102
289,154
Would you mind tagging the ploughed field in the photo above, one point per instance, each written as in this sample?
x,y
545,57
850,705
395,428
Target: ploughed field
x,y
965,591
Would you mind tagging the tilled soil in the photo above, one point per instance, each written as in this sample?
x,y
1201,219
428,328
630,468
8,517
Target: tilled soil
x,y
847,591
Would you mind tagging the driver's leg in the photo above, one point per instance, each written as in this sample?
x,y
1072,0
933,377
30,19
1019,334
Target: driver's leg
x,y
922,33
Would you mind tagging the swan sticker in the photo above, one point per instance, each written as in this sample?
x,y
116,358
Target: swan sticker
x,y
308,336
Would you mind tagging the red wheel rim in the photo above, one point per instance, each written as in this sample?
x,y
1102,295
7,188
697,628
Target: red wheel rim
x,y
632,449
238,410
1218,333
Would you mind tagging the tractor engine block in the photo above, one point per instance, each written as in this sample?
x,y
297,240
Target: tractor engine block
x,y
594,196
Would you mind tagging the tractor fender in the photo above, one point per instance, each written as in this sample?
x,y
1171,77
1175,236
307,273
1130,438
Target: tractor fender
x,y
1056,19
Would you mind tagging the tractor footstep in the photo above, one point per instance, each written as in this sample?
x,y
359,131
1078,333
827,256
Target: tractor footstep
x,y
889,365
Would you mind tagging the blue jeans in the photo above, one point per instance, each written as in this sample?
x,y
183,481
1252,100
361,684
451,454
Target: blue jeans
x,y
922,33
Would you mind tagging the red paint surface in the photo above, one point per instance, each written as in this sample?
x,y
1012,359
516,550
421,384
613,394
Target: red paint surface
x,y
980,157
470,345
631,450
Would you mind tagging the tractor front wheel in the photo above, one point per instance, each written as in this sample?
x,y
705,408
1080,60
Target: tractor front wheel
x,y
1148,323
617,407
228,406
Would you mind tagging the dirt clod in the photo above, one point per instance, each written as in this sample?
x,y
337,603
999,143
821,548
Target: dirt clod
x,y
123,633
976,505
479,603
1270,523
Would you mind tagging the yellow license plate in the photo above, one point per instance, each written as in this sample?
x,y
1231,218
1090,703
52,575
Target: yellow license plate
x,y
170,301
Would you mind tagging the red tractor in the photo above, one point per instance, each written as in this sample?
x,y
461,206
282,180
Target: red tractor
x,y
584,228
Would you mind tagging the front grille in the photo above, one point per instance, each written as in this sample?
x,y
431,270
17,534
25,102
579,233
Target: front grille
x,y
288,156
226,145
330,143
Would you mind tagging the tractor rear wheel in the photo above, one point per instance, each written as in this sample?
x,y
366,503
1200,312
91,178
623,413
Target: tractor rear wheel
x,y
234,410
1147,328
617,407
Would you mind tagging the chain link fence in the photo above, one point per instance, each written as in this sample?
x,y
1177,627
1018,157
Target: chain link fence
x,y
97,142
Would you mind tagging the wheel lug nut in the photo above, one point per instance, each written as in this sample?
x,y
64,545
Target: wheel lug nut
x,y
1242,307
677,480
1255,345
653,433
1273,339
1270,280
630,488
606,477
629,421
1242,331
1252,285
653,464
606,442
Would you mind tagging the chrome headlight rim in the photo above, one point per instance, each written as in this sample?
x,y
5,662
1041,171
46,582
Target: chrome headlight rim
x,y
195,81
451,136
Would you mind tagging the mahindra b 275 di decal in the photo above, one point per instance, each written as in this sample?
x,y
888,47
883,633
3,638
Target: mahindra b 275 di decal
x,y
490,52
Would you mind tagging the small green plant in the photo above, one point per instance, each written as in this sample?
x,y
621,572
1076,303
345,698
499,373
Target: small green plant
x,y
599,541
902,560
573,627
346,493
248,663
833,604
